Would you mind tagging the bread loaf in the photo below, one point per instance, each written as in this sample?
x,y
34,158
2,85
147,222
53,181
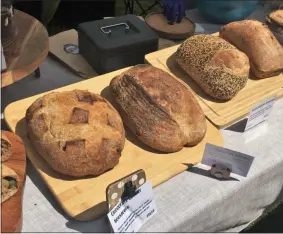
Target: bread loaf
x,y
215,65
78,133
274,22
6,147
277,17
258,43
9,183
159,110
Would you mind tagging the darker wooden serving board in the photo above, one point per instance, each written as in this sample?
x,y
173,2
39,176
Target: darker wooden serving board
x,y
11,210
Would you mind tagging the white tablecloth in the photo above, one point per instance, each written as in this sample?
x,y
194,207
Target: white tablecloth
x,y
189,202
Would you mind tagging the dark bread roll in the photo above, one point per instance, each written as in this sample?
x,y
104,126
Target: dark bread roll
x,y
258,43
159,110
215,65
78,133
6,147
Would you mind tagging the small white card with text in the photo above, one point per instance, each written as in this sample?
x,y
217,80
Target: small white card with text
x,y
237,162
259,113
130,215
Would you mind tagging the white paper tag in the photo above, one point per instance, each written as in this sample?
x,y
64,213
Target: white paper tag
x,y
130,215
3,61
237,162
259,113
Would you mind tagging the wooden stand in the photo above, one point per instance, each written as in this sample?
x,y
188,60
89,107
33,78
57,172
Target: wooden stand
x,y
11,210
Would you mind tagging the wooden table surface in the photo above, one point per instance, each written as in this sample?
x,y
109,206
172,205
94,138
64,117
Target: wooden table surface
x,y
28,51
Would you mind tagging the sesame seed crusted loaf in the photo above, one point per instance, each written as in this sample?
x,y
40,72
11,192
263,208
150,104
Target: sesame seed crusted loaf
x,y
258,43
215,65
77,132
159,110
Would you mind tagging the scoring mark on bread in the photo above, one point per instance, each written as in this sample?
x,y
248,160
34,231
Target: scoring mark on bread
x,y
74,146
84,96
79,116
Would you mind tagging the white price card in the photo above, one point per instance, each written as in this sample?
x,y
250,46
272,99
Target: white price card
x,y
259,113
130,215
3,61
237,162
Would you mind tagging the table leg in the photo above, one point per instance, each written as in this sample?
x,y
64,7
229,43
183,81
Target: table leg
x,y
145,11
129,4
37,73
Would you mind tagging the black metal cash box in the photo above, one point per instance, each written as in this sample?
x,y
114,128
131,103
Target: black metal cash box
x,y
115,43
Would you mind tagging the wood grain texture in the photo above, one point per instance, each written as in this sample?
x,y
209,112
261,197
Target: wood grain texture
x,y
75,62
28,51
11,210
178,31
222,114
85,198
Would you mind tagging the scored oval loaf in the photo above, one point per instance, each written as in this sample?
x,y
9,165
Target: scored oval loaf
x,y
77,132
218,67
159,110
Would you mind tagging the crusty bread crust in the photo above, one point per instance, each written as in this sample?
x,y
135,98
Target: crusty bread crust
x,y
277,17
78,133
6,147
7,192
158,109
215,65
258,43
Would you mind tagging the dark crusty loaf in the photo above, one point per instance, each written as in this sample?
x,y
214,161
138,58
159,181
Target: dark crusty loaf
x,y
6,147
258,43
160,111
215,65
78,133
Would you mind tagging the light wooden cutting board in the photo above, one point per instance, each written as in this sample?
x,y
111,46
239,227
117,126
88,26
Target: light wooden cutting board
x,y
85,199
222,114
75,62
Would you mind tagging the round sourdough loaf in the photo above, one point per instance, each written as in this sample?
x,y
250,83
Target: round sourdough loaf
x,y
219,68
78,133
159,110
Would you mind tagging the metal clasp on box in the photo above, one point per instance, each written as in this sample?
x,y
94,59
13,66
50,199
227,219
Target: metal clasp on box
x,y
108,31
220,171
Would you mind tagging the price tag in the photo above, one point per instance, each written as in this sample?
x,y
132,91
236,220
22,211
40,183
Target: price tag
x,y
229,160
259,113
131,214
